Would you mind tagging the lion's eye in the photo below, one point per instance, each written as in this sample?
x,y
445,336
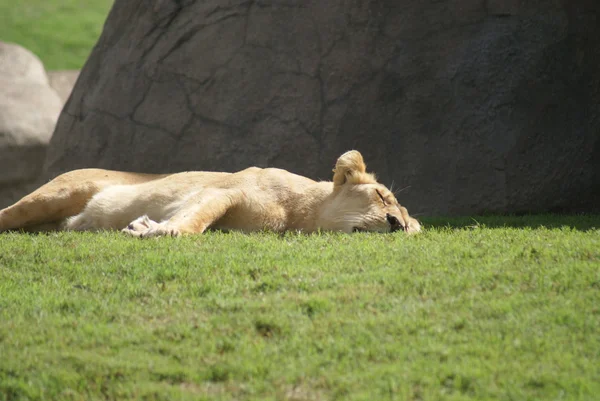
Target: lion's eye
x,y
381,196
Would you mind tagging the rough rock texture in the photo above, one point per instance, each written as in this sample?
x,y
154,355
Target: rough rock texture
x,y
63,81
29,109
472,105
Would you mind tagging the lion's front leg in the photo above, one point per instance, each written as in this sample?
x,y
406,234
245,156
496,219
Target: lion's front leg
x,y
193,217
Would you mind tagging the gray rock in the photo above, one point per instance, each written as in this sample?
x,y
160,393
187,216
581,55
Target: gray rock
x,y
467,106
63,81
19,64
29,109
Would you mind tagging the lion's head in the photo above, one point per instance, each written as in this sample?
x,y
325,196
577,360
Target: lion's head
x,y
360,203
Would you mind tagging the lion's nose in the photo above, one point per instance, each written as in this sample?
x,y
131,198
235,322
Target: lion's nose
x,y
394,222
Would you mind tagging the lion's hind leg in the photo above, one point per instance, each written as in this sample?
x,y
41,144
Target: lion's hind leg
x,y
67,195
46,208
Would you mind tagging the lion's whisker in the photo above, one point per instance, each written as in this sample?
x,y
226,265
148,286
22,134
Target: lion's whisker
x,y
400,190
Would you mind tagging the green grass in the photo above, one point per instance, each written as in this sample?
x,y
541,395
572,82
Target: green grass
x,y
477,309
61,32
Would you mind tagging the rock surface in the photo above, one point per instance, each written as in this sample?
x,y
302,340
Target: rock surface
x,y
63,81
470,106
29,109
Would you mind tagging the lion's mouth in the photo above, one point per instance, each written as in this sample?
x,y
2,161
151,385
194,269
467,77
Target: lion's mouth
x,y
395,224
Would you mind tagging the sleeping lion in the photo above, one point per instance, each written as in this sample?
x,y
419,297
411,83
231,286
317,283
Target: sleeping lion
x,y
152,205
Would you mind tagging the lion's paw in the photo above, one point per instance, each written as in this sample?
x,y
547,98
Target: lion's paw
x,y
139,226
143,227
161,232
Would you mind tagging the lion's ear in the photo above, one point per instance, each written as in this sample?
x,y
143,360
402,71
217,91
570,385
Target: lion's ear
x,y
348,166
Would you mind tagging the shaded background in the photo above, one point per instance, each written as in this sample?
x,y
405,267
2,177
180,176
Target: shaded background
x,y
471,106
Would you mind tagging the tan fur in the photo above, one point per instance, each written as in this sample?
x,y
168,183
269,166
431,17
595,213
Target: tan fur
x,y
147,205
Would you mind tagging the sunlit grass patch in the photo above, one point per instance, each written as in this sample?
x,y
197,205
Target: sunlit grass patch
x,y
499,309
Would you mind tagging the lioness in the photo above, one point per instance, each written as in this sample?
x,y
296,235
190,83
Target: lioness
x,y
149,205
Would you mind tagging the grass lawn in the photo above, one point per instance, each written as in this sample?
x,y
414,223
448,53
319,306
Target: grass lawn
x,y
497,308
61,32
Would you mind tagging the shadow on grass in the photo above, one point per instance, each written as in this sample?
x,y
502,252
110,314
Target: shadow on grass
x,y
582,222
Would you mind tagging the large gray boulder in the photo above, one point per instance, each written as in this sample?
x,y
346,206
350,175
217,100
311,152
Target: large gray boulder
x,y
472,106
63,81
29,109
